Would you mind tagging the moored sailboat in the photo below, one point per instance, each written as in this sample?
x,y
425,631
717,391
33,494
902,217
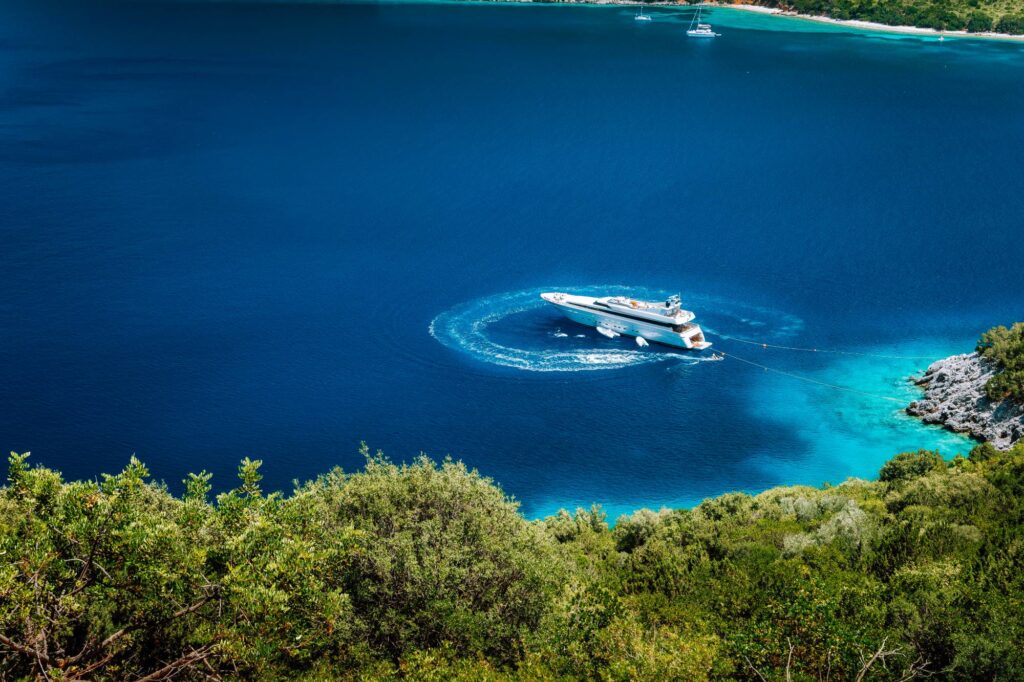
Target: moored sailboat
x,y
699,30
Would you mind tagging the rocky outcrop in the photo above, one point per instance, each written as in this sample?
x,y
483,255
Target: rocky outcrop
x,y
954,396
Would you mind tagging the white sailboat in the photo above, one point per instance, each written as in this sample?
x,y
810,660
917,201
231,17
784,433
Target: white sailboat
x,y
640,16
699,30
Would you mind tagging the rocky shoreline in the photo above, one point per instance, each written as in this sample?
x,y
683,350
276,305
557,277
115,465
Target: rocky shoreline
x,y
954,396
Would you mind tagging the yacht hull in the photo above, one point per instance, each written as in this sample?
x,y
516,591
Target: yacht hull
x,y
577,309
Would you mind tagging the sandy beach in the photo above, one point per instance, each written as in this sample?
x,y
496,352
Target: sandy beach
x,y
850,23
870,25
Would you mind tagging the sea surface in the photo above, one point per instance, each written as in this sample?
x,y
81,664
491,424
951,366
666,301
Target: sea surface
x,y
277,230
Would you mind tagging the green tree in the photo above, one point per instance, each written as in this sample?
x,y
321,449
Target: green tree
x,y
979,22
1005,349
1011,23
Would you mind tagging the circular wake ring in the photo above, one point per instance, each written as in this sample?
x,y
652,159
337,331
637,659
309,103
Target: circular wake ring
x,y
468,328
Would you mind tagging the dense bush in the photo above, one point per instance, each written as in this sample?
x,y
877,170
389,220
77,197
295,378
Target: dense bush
x,y
1011,23
1005,348
119,579
907,465
428,572
979,22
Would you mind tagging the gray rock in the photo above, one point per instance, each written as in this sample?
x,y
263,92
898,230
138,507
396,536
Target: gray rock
x,y
954,396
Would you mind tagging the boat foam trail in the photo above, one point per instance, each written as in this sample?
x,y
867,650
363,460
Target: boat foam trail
x,y
467,328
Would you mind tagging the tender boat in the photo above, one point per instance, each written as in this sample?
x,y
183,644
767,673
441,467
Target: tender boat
x,y
658,321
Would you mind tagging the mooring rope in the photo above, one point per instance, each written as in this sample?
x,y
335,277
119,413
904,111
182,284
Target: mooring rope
x,y
813,381
823,350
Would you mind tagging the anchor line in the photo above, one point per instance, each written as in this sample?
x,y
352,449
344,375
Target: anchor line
x,y
822,350
813,381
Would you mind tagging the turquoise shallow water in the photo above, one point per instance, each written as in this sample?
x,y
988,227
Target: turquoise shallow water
x,y
848,431
752,20
276,230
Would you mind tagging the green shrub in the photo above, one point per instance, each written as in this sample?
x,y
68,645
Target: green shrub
x,y
444,558
633,530
908,465
983,452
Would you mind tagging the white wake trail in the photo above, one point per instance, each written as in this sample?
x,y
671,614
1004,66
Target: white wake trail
x,y
467,328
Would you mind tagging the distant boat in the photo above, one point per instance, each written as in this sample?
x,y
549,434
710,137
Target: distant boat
x,y
640,16
699,30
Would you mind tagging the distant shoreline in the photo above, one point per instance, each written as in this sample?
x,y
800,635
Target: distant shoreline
x,y
870,25
775,11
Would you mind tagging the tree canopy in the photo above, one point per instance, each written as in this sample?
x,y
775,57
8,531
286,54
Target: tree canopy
x,y
1005,348
428,571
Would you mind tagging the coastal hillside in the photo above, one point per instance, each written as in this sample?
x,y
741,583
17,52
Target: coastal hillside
x,y
427,571
975,16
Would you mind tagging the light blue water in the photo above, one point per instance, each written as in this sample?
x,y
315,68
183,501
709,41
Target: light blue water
x,y
273,231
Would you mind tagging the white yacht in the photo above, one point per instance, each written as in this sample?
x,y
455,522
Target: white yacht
x,y
640,16
661,321
699,30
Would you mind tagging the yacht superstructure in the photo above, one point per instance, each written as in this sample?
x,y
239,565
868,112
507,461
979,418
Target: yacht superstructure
x,y
661,321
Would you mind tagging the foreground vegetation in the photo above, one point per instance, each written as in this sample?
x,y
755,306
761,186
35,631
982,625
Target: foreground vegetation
x,y
429,572
1005,347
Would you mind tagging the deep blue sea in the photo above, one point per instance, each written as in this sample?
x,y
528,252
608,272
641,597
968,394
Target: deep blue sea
x,y
275,231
